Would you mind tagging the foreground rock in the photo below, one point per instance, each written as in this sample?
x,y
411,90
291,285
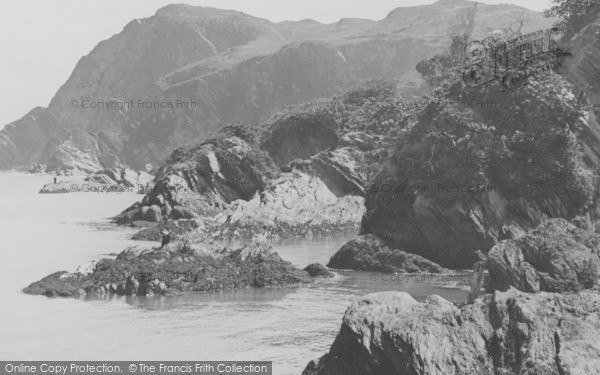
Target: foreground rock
x,y
504,333
370,253
175,269
555,257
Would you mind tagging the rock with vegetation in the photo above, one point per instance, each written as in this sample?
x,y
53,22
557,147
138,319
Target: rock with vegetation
x,y
179,267
370,253
465,176
555,257
509,332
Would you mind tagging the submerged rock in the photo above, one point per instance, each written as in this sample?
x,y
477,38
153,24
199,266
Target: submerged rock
x,y
510,332
555,257
370,253
177,268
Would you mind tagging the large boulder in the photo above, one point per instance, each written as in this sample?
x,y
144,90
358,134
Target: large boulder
x,y
318,270
555,257
510,332
371,253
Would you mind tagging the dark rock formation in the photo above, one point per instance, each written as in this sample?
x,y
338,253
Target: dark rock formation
x,y
462,179
504,333
174,269
318,270
555,257
370,253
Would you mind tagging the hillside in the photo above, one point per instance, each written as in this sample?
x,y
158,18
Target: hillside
x,y
227,66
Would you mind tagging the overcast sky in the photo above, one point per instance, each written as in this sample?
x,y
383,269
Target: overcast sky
x,y
42,40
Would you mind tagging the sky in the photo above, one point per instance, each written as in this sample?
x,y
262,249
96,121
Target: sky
x,y
42,40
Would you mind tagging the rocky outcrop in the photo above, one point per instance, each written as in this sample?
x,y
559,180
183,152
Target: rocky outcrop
x,y
555,257
110,180
174,269
206,176
504,333
464,178
78,151
370,253
234,189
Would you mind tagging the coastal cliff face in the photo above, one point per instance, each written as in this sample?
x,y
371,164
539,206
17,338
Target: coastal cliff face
x,y
503,333
216,66
465,176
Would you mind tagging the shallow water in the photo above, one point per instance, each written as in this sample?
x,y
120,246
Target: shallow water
x,y
44,233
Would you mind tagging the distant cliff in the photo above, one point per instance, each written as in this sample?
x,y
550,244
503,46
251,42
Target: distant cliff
x,y
188,70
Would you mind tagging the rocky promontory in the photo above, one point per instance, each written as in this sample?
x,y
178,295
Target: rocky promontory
x,y
179,267
509,332
303,173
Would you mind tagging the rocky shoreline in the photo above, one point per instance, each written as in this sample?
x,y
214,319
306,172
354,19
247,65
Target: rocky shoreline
x,y
175,269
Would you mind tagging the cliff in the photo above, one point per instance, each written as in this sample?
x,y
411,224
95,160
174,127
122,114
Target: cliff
x,y
182,73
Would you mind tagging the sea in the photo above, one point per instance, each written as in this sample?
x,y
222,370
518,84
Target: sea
x,y
44,233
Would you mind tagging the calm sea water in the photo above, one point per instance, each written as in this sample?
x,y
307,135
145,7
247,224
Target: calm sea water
x,y
43,233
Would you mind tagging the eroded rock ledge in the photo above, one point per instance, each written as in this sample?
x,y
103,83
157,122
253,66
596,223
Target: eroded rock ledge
x,y
510,332
175,269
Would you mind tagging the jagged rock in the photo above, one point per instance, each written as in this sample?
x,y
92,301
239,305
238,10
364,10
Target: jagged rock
x,y
370,253
294,204
510,332
318,270
555,257
174,269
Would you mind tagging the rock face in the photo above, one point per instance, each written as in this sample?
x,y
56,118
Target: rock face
x,y
462,179
177,268
175,76
370,253
555,257
504,333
